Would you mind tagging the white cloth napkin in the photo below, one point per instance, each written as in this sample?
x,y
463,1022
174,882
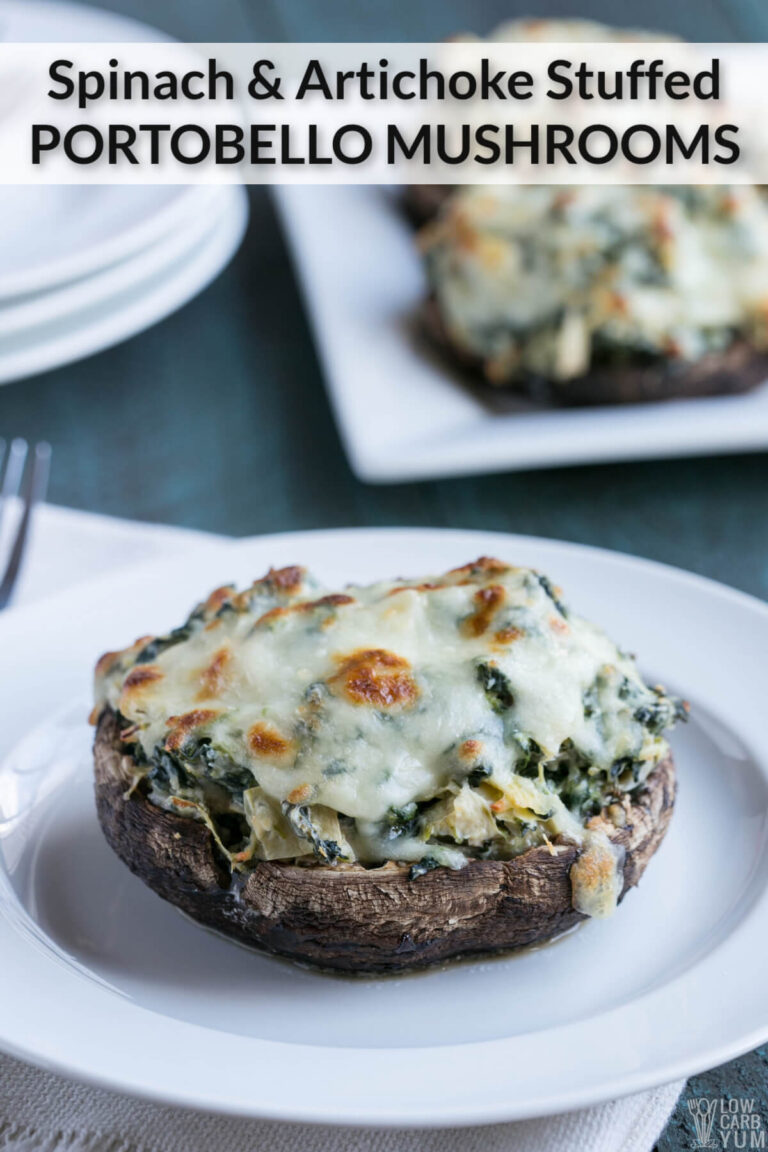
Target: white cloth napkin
x,y
40,1112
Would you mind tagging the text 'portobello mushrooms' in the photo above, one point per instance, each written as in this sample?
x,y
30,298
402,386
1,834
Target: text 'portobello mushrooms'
x,y
388,776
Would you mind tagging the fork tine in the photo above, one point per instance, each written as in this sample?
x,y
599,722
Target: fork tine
x,y
34,491
17,454
14,470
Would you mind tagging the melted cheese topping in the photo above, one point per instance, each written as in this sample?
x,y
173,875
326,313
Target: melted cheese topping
x,y
425,721
551,281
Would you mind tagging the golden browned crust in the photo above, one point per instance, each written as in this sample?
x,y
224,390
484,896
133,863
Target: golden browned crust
x,y
736,369
375,678
356,919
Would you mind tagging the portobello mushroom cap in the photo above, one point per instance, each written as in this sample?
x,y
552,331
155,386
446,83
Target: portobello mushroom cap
x,y
735,369
355,919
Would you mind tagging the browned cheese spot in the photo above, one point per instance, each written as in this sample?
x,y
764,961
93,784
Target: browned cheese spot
x,y
488,600
508,635
265,740
216,676
300,795
376,677
334,600
217,599
425,587
289,579
182,726
483,566
136,682
106,663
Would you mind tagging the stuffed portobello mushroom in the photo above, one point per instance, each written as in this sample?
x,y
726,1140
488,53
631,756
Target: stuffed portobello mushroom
x,y
388,776
597,295
603,294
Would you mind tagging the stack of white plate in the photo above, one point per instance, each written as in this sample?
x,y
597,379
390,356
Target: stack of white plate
x,y
85,267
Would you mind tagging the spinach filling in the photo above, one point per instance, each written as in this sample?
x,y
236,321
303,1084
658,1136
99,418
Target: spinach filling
x,y
326,851
426,864
199,765
661,713
160,644
496,686
550,591
203,772
494,808
402,822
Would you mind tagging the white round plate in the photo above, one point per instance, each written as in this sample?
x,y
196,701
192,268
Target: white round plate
x,y
105,982
71,231
69,299
139,295
58,233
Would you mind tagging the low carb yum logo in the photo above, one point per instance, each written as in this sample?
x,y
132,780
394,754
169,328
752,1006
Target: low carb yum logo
x,y
704,1112
727,1123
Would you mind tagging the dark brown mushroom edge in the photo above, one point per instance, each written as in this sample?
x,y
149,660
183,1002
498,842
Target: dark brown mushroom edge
x,y
355,919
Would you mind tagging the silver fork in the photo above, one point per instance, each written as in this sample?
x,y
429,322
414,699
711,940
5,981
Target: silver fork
x,y
32,487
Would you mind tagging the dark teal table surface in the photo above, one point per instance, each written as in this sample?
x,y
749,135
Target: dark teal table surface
x,y
217,418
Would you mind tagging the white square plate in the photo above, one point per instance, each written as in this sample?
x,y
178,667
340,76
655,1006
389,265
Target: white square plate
x,y
403,415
